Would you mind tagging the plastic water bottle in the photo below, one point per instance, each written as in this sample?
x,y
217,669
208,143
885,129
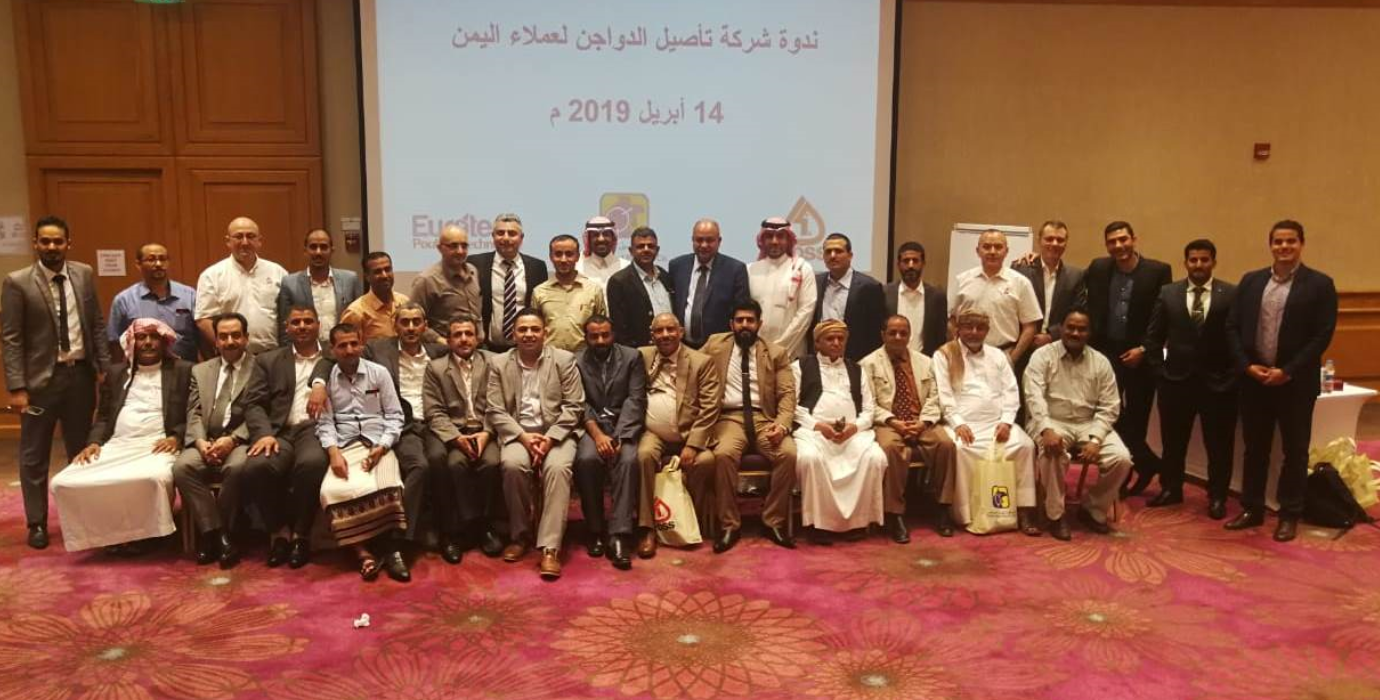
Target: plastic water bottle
x,y
1329,377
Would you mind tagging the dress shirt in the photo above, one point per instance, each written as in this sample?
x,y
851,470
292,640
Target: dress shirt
x,y
411,370
496,280
785,287
445,295
733,383
76,343
836,398
656,291
567,308
911,304
177,309
1051,278
1063,389
529,403
694,280
1007,298
466,368
226,286
1271,315
1207,296
363,405
373,317
836,295
663,404
988,395
323,298
303,366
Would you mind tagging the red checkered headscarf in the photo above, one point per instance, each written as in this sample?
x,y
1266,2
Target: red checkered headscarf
x,y
775,223
143,325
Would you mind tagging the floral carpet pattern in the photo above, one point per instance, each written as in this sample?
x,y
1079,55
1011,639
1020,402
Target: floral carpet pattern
x,y
1171,606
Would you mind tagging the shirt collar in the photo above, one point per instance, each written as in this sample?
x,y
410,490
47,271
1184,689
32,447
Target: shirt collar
x,y
421,351
1051,270
298,356
245,270
645,276
1278,280
465,273
824,360
709,264
846,281
1206,285
375,302
49,274
906,289
330,278
1000,275
1065,354
144,291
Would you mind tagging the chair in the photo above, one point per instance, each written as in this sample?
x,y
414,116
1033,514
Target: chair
x,y
755,466
1115,515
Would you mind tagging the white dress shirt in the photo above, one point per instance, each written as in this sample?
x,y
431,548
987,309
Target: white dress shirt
x,y
303,365
1207,297
733,383
911,304
323,297
226,286
694,280
411,370
1008,299
76,343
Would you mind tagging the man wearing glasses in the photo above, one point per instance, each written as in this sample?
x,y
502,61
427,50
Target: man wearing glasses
x,y
243,283
451,286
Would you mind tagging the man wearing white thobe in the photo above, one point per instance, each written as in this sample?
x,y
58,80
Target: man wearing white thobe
x,y
600,260
784,285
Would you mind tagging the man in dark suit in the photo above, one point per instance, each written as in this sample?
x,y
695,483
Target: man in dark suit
x,y
1279,327
922,303
54,347
333,287
506,280
1058,285
639,292
706,285
1122,289
850,296
615,382
1187,344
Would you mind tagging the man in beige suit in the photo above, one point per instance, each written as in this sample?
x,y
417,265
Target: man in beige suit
x,y
907,412
54,347
758,408
536,402
682,408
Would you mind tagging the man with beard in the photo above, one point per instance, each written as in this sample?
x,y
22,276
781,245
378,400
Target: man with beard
x,y
156,296
639,292
600,261
506,280
322,287
243,283
924,305
758,409
450,287
615,383
784,285
373,313
567,300
706,284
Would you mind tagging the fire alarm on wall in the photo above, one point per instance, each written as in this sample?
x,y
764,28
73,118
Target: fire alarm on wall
x,y
1262,151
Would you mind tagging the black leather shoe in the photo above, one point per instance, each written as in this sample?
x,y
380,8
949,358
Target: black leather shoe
x,y
819,537
38,536
1217,508
452,552
594,544
278,552
1287,529
944,524
1166,497
1137,486
618,553
301,553
780,538
208,548
229,553
490,545
396,567
1059,530
1088,522
727,540
896,528
1248,518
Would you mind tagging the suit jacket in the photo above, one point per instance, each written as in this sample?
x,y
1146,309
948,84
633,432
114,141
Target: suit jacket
x,y
1146,281
865,314
444,398
877,368
630,308
775,382
1310,317
1201,354
698,390
296,291
728,285
268,396
28,325
201,401
625,394
176,379
562,395
534,272
936,330
1070,291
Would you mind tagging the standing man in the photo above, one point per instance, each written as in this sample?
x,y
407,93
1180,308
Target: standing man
x,y
536,403
850,296
506,280
707,285
1058,286
373,314
615,383
450,287
1003,295
600,261
1122,289
156,296
50,322
924,305
785,287
1280,325
244,284
322,287
758,409
567,300
1197,375
639,292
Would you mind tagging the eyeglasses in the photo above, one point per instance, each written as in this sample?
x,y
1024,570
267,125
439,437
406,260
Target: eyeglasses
x,y
243,236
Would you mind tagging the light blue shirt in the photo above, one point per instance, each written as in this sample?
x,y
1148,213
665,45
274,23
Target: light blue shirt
x,y
364,405
656,291
178,310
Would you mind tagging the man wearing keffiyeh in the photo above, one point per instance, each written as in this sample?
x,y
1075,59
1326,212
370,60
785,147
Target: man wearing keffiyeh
x,y
784,285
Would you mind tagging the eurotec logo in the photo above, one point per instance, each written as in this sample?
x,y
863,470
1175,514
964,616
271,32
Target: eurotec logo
x,y
627,211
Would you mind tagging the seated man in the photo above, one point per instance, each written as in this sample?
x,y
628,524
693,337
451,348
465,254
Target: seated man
x,y
615,383
119,489
838,462
360,424
535,404
979,399
286,462
902,380
682,408
1070,394
455,394
217,442
758,408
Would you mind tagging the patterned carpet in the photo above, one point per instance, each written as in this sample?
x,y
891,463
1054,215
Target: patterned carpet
x,y
1171,607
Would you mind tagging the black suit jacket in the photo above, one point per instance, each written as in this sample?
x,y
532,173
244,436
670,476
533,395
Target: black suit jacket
x,y
1070,291
865,314
936,330
534,270
1146,281
625,395
630,308
177,382
1310,317
1194,353
268,396
728,285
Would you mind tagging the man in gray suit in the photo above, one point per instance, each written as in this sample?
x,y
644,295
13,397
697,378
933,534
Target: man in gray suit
x,y
322,287
536,403
1058,285
54,347
615,382
217,441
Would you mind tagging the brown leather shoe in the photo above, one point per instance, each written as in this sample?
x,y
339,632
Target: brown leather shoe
x,y
550,565
646,547
514,551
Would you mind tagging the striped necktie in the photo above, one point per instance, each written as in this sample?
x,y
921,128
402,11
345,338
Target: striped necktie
x,y
510,307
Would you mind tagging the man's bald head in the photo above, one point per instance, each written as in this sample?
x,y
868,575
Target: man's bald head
x,y
454,246
243,239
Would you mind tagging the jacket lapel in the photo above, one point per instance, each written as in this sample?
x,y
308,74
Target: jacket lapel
x,y
766,380
41,282
682,374
208,384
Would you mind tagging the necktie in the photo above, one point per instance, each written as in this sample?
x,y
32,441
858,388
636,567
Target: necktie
x,y
749,427
218,412
906,404
1197,313
697,308
64,343
509,299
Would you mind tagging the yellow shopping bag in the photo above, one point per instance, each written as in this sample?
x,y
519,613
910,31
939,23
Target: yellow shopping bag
x,y
992,498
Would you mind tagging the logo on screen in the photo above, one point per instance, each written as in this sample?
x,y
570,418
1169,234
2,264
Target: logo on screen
x,y
627,211
809,229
